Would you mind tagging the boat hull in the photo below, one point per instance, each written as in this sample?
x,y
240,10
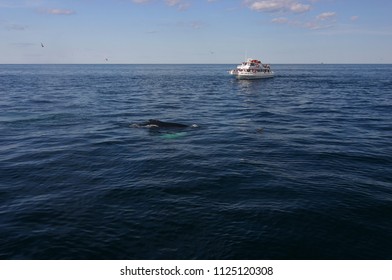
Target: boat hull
x,y
253,76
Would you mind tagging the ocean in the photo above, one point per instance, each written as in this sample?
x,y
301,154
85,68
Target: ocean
x,y
294,167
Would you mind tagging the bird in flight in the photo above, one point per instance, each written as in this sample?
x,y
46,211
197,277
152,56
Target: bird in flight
x,y
42,45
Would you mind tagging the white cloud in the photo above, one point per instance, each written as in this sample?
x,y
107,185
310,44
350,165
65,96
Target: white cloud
x,y
273,6
326,16
299,8
57,12
311,25
172,2
280,20
354,18
266,6
180,4
322,21
140,1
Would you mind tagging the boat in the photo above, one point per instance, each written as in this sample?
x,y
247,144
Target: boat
x,y
252,69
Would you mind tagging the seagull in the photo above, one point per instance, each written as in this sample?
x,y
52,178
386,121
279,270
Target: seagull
x,y
42,45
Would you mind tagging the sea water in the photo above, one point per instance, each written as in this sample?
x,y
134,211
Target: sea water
x,y
294,167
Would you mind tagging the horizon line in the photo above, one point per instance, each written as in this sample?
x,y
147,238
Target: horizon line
x,y
151,63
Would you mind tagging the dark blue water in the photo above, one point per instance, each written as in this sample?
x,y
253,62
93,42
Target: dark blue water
x,y
295,167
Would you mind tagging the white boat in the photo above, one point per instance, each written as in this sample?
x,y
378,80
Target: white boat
x,y
252,69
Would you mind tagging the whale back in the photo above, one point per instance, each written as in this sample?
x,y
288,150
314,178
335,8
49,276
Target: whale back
x,y
158,123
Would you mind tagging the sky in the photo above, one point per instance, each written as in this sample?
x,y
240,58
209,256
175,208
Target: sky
x,y
190,31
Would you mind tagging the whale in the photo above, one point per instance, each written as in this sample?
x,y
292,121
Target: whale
x,y
165,130
160,124
152,123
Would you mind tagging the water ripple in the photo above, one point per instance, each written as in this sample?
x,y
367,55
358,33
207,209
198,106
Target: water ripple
x,y
295,167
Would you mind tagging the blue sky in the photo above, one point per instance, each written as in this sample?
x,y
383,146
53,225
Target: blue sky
x,y
190,31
